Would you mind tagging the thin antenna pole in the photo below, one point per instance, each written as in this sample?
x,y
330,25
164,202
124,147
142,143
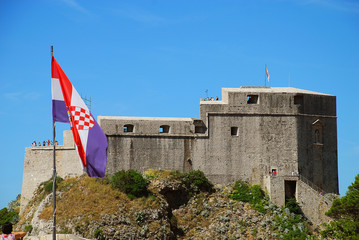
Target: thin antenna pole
x,y
54,172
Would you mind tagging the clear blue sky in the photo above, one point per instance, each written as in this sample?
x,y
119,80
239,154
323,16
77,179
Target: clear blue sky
x,y
157,58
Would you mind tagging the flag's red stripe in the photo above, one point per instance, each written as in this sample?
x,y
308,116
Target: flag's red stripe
x,y
80,148
65,83
66,88
54,73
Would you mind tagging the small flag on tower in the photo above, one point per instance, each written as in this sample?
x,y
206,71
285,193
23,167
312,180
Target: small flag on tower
x,y
68,106
267,73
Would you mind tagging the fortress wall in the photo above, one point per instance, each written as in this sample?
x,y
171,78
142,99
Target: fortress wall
x,y
142,153
38,166
146,147
313,204
262,143
330,156
318,160
235,100
146,126
319,104
267,135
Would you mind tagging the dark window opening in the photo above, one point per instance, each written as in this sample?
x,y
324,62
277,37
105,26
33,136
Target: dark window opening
x,y
298,100
164,129
289,188
199,129
199,126
234,131
317,136
128,128
252,99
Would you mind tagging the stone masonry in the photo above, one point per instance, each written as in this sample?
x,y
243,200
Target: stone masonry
x,y
38,166
269,136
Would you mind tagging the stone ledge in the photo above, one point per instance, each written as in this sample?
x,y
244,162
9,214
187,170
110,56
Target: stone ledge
x,y
58,237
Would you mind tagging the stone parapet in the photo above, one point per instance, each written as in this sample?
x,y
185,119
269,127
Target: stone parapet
x,y
38,166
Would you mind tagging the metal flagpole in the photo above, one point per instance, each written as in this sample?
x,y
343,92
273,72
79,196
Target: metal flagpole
x,y
54,173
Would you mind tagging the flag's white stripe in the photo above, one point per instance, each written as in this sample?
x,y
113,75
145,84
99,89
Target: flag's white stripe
x,y
56,90
77,101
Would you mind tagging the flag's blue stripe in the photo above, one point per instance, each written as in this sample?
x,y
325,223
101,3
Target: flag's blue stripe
x,y
59,112
96,152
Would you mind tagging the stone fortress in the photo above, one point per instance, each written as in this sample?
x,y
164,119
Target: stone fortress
x,y
284,139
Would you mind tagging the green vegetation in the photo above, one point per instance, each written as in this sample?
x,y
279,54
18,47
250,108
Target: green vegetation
x,y
345,211
293,206
196,181
254,195
130,182
11,213
49,184
288,223
28,228
8,216
15,204
130,190
98,234
290,226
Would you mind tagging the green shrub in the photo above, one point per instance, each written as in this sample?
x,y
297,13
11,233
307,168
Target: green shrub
x,y
98,234
177,174
257,194
8,216
345,211
130,182
260,208
293,206
49,184
254,195
241,191
28,228
291,226
196,181
341,229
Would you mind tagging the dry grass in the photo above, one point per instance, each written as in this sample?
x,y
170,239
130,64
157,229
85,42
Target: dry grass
x,y
161,174
89,198
86,197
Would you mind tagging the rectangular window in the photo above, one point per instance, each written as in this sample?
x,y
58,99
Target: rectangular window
x,y
252,99
298,100
128,128
234,131
164,129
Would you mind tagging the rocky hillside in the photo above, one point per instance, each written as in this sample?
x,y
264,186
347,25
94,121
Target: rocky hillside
x,y
175,206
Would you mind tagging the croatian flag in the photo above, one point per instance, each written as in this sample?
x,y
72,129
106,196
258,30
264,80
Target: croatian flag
x,y
267,73
68,106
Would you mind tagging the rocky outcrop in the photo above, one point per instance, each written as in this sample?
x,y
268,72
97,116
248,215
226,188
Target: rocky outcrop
x,y
171,211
